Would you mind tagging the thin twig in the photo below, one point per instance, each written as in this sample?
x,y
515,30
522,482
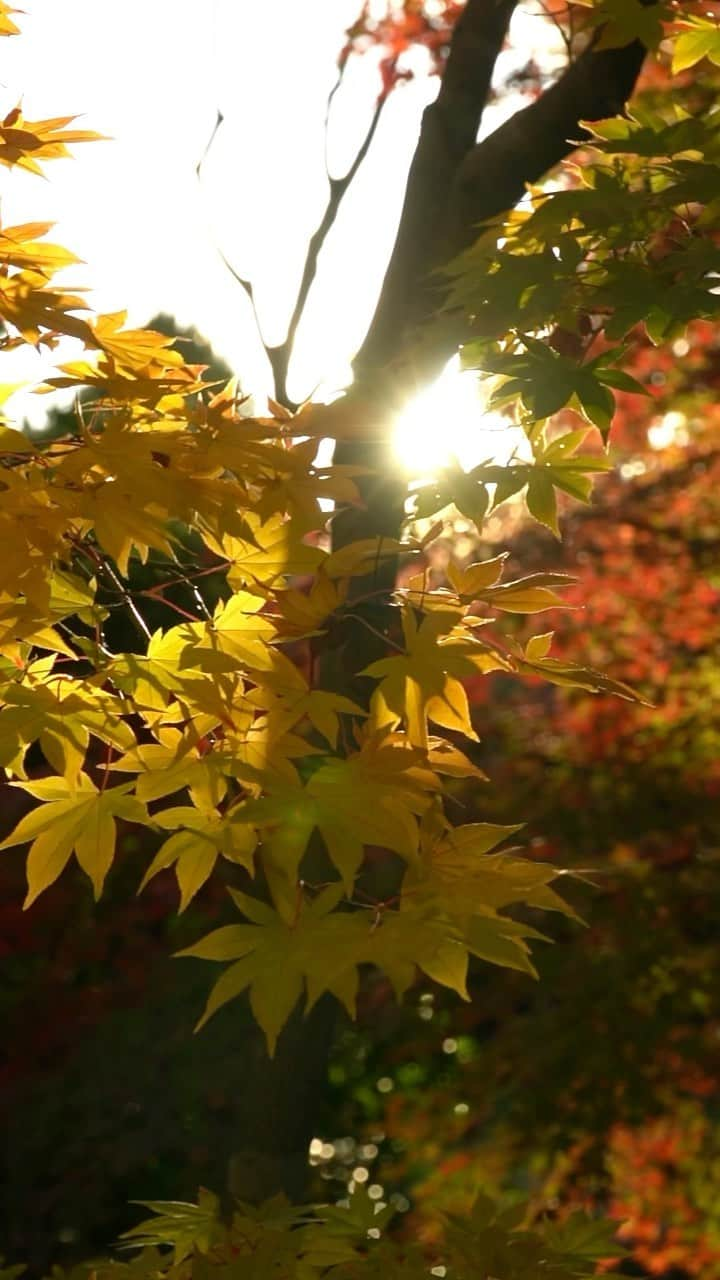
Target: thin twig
x,y
103,564
279,356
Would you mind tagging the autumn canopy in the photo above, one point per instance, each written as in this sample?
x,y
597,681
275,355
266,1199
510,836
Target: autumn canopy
x,y
260,680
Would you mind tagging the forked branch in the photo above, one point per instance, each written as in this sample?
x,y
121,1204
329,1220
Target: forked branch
x,y
279,355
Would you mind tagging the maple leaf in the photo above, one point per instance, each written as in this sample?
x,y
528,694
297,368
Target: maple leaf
x,y
116,383
474,578
460,872
298,492
201,836
535,661
190,1229
151,678
314,948
286,697
278,959
21,620
71,818
177,761
350,804
122,525
134,349
445,758
276,551
20,247
526,595
700,40
39,312
60,714
623,21
302,613
238,634
363,557
7,26
423,683
25,142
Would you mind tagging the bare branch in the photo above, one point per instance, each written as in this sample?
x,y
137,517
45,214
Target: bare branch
x,y
279,355
219,122
449,129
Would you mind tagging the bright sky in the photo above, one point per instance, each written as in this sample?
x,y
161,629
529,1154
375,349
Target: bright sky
x,y
152,74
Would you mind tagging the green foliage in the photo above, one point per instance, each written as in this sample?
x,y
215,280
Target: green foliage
x,y
194,1240
626,245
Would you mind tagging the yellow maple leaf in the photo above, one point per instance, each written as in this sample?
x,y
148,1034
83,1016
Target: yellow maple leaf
x,y
277,959
136,349
25,142
119,384
238,635
286,697
362,557
300,489
302,613
60,714
39,312
79,819
175,762
7,26
152,678
20,247
200,837
350,805
423,683
276,551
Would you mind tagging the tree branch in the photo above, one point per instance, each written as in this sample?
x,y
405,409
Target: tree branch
x,y
449,129
488,179
279,356
495,173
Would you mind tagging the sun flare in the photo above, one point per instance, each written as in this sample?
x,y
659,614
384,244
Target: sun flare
x,y
449,423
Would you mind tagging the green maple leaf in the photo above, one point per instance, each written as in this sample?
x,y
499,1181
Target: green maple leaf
x,y
702,40
186,1227
623,21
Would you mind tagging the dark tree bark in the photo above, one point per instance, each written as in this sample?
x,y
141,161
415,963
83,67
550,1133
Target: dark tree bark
x,y
448,133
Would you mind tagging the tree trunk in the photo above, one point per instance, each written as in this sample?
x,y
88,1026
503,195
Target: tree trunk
x,y
454,184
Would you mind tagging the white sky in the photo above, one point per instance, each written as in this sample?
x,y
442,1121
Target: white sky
x,y
152,74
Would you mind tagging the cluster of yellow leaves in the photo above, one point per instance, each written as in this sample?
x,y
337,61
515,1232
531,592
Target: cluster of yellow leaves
x,y
235,747
26,142
236,753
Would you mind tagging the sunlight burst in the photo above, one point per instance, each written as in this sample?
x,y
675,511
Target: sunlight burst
x,y
448,423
